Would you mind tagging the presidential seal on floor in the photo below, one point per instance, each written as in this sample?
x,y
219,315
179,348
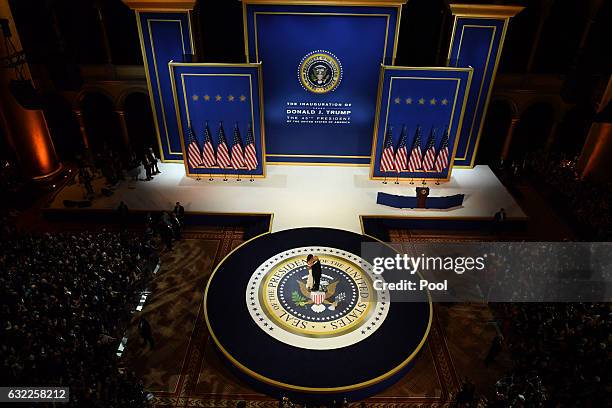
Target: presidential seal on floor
x,y
283,305
343,311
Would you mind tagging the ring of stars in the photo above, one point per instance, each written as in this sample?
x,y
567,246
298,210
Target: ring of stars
x,y
421,101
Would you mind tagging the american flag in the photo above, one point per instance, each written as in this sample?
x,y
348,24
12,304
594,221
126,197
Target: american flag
x,y
401,154
430,152
387,159
250,154
414,163
237,153
194,156
208,151
442,159
223,158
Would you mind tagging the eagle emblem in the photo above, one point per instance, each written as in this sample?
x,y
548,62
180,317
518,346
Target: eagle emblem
x,y
320,71
318,300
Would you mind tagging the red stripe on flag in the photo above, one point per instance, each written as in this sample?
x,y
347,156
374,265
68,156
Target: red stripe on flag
x,y
428,161
237,157
442,160
415,160
194,155
223,156
386,162
250,157
208,155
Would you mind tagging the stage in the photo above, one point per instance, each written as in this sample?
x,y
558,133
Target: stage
x,y
350,342
304,196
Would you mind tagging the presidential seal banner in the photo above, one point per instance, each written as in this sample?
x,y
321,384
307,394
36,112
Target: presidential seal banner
x,y
320,76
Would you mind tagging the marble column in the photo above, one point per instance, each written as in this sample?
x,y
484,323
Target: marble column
x,y
26,129
125,136
594,161
508,139
79,116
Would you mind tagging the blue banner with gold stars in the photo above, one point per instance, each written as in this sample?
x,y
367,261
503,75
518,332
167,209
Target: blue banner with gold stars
x,y
424,107
220,117
320,76
164,36
476,43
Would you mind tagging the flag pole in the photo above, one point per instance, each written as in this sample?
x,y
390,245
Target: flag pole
x,y
385,179
397,178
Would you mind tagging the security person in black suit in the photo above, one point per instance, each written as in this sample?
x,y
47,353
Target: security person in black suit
x,y
179,211
145,332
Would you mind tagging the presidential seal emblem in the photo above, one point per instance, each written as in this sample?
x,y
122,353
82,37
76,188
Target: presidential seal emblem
x,y
320,72
344,310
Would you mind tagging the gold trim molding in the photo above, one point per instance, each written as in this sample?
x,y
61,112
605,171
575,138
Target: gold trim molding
x,y
160,5
372,3
485,10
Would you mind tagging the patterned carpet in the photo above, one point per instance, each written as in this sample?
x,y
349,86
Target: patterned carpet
x,y
184,369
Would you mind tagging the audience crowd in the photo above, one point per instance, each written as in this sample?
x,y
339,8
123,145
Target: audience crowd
x,y
561,354
587,202
66,300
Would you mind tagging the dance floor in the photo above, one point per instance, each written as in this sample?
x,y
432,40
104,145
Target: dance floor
x,y
186,370
304,196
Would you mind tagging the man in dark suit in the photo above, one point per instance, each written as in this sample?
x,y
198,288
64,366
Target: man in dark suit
x,y
179,211
494,350
498,221
145,332
153,160
315,266
147,166
123,213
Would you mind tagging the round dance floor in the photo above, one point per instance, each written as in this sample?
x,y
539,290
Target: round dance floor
x,y
344,339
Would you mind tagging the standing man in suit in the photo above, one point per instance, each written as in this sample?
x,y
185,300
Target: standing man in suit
x,y
499,220
179,211
315,267
147,166
153,160
145,332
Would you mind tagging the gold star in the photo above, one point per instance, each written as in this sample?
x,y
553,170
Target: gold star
x,y
230,98
207,97
242,98
195,97
218,98
444,101
422,101
409,101
397,100
432,101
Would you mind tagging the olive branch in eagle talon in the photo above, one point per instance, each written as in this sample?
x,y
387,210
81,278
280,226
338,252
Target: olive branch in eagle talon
x,y
304,298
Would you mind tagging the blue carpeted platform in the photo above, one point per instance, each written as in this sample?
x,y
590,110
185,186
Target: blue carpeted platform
x,y
355,371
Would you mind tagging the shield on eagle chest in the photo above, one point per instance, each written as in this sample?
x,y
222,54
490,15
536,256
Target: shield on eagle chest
x,y
317,297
